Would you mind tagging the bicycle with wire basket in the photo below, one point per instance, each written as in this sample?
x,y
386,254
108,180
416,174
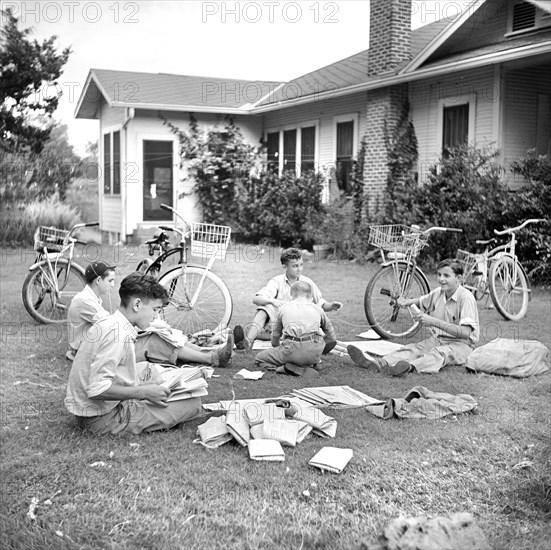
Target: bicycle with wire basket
x,y
199,300
399,276
53,278
497,273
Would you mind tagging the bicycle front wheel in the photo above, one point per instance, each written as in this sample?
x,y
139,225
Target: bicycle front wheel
x,y
509,288
383,314
196,304
47,295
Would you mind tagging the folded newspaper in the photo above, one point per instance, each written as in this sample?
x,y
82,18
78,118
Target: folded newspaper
x,y
214,432
332,459
184,382
266,449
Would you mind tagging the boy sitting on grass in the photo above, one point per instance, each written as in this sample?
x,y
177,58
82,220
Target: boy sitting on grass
x,y
86,309
450,313
107,392
298,326
277,292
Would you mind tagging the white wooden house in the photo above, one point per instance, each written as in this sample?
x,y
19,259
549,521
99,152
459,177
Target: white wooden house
x,y
484,77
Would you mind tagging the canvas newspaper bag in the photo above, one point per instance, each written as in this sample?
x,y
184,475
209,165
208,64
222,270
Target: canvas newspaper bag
x,y
516,358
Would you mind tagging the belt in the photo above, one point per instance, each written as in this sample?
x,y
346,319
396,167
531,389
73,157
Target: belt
x,y
303,338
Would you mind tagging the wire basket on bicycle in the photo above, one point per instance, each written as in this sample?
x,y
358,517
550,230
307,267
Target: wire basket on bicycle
x,y
467,260
208,240
397,238
52,238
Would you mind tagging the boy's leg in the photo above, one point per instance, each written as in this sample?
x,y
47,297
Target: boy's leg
x,y
275,357
454,352
156,349
135,417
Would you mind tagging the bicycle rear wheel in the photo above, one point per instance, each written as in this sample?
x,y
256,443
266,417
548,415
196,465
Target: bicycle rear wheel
x,y
39,290
389,283
212,308
509,288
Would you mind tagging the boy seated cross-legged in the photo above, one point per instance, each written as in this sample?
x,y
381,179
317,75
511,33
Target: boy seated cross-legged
x,y
297,338
277,292
107,391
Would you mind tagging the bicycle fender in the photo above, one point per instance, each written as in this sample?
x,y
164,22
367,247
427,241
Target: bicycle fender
x,y
404,263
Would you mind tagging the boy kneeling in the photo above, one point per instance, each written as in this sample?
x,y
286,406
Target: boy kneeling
x,y
296,339
107,391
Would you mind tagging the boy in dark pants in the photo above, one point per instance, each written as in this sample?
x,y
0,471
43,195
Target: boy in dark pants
x,y
296,338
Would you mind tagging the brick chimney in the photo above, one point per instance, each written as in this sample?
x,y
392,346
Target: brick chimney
x,y
389,46
389,35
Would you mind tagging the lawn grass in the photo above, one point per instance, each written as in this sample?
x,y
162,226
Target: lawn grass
x,y
162,491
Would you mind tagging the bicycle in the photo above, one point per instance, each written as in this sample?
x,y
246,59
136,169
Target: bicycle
x,y
497,273
54,278
199,300
399,276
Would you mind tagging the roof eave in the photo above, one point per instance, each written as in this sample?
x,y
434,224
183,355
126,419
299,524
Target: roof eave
x,y
183,108
480,61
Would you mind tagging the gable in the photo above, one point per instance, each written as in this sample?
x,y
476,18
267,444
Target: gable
x,y
488,29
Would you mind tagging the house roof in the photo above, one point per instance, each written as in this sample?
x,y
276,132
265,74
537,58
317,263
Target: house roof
x,y
168,92
347,72
219,95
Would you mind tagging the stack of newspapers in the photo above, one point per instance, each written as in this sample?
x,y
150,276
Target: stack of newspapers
x,y
185,382
337,397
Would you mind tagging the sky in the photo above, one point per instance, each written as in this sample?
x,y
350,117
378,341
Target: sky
x,y
255,40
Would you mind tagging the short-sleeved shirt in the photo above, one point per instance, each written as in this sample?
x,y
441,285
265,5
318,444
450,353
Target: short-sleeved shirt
x,y
299,318
84,311
101,361
460,309
279,288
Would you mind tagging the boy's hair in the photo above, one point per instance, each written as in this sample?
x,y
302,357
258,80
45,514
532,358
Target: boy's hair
x,y
453,263
300,288
290,254
139,285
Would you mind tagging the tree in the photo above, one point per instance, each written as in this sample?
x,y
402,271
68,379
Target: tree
x,y
27,71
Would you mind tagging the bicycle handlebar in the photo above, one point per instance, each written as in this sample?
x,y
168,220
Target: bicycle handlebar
x,y
445,229
186,224
518,228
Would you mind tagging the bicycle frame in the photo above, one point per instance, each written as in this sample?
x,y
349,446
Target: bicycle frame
x,y
45,259
183,261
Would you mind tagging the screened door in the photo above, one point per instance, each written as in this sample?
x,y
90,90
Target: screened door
x,y
157,180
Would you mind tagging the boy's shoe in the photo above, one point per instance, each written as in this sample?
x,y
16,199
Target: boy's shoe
x,y
238,334
399,369
223,354
70,354
239,339
365,360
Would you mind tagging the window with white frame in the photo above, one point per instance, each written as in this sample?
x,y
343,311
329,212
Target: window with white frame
x,y
455,127
455,122
346,144
292,149
112,163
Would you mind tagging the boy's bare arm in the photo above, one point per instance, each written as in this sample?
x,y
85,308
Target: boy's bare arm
x,y
263,301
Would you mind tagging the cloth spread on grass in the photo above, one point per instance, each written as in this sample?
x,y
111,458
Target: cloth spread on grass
x,y
516,358
420,403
